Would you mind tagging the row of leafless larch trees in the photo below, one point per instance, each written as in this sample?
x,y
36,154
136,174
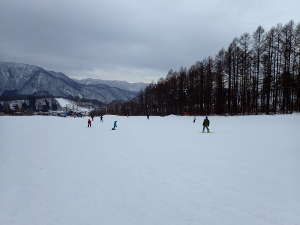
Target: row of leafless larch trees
x,y
258,73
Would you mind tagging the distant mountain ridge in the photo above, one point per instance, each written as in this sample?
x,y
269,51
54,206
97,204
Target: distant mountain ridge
x,y
23,79
135,87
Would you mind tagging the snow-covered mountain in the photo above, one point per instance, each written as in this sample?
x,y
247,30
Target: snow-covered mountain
x,y
22,79
135,87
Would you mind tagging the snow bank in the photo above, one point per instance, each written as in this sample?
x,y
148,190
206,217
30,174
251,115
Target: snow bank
x,y
161,171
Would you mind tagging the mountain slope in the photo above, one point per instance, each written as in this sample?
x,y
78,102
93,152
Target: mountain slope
x,y
135,87
22,79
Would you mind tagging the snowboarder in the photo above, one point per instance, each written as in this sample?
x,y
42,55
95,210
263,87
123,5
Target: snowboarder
x,y
115,125
89,123
205,125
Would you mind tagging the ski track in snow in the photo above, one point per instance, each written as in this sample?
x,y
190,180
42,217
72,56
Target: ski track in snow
x,y
162,171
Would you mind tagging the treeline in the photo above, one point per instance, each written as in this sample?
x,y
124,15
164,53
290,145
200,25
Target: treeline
x,y
23,97
10,104
257,73
29,104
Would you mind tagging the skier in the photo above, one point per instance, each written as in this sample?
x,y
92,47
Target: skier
x,y
92,117
89,123
194,119
115,125
205,125
148,116
101,118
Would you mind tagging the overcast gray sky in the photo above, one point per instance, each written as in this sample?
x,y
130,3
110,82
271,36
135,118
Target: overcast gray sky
x,y
133,40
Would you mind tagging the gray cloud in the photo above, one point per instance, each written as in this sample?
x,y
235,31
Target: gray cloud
x,y
134,40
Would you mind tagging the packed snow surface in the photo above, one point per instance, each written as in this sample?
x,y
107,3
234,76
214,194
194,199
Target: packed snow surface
x,y
71,105
162,171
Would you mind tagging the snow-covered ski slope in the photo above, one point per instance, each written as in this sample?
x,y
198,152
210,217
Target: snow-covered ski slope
x,y
162,171
63,102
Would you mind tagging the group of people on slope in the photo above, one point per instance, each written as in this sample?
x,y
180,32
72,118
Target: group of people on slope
x,y
101,119
205,123
92,117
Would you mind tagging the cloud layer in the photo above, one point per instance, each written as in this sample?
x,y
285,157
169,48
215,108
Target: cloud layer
x,y
134,40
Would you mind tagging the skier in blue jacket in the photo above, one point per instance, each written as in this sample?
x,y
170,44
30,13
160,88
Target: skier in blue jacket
x,y
115,125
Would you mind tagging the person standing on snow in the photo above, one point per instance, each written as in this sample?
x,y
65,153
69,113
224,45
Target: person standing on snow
x,y
115,125
89,123
101,118
205,125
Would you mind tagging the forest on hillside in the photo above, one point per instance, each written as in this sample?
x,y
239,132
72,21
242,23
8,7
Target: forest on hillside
x,y
257,73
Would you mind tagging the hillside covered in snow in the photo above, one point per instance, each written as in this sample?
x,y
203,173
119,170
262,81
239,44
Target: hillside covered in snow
x,y
135,87
18,79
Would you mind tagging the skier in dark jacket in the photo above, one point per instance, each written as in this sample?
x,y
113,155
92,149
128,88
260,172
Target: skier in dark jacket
x,y
89,123
101,118
205,125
